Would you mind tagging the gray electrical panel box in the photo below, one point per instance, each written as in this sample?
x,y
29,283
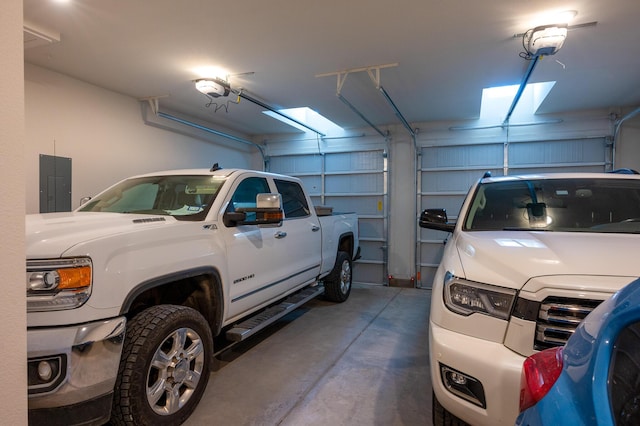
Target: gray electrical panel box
x,y
55,184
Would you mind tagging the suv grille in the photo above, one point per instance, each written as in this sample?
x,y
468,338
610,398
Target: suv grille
x,y
558,318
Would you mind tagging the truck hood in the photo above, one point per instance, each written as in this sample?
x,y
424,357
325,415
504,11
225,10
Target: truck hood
x,y
52,234
511,258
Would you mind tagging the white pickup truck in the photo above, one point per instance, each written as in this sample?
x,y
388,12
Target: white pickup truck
x,y
126,294
528,258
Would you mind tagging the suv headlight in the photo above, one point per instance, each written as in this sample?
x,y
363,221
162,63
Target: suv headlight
x,y
58,284
468,297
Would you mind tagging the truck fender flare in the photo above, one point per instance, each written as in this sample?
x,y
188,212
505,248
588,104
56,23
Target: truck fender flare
x,y
349,249
211,272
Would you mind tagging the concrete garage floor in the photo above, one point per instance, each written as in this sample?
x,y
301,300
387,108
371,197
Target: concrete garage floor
x,y
362,362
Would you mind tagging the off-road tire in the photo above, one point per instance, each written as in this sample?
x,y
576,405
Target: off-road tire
x,y
441,417
170,347
337,285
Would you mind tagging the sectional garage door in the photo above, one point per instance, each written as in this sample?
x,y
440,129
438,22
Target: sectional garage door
x,y
447,172
349,182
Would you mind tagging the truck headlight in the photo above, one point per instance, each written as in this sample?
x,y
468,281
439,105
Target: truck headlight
x,y
468,297
58,284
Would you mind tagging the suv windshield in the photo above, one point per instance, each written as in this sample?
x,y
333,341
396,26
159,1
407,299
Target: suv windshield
x,y
187,197
571,205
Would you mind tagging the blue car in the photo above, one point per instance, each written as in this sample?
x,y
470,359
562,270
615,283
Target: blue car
x,y
595,378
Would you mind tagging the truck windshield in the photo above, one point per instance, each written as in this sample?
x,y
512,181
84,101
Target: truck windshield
x,y
568,205
187,197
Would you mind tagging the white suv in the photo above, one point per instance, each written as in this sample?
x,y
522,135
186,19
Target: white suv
x,y
527,260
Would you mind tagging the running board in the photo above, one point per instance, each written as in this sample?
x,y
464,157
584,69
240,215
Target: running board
x,y
256,323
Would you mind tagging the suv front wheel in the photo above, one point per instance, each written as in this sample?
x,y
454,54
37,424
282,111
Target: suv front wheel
x,y
441,417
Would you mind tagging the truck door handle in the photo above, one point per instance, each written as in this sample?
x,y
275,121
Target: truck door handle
x,y
280,234
315,228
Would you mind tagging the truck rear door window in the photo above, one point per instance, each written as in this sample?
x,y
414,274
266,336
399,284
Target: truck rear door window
x,y
294,202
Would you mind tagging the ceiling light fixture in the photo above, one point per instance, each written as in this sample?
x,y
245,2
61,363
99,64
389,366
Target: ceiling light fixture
x,y
546,39
213,87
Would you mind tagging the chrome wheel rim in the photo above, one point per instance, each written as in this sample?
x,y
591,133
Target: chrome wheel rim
x,y
175,371
345,277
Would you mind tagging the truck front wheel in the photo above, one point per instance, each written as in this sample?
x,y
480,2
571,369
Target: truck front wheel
x,y
337,285
164,368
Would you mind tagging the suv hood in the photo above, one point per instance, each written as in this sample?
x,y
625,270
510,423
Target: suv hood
x,y
51,234
511,258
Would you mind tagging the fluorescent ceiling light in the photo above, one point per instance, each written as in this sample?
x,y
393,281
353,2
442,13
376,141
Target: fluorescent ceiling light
x,y
497,100
307,116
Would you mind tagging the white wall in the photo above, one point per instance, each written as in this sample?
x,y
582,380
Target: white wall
x,y
104,134
13,392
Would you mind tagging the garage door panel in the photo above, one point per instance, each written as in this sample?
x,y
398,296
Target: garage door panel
x,y
370,228
368,273
372,250
295,164
454,180
354,161
432,253
427,275
358,183
462,156
564,168
556,152
363,205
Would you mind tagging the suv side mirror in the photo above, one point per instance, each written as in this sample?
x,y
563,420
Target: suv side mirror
x,y
435,219
268,210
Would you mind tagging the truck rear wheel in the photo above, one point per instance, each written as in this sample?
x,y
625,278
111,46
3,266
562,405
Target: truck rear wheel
x,y
337,285
164,368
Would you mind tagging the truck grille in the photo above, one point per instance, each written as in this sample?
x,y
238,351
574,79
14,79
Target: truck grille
x,y
558,318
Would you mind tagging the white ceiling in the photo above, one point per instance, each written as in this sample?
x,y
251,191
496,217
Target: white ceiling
x,y
446,52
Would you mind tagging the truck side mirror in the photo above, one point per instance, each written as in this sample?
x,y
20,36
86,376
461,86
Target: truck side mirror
x,y
268,211
435,219
233,218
